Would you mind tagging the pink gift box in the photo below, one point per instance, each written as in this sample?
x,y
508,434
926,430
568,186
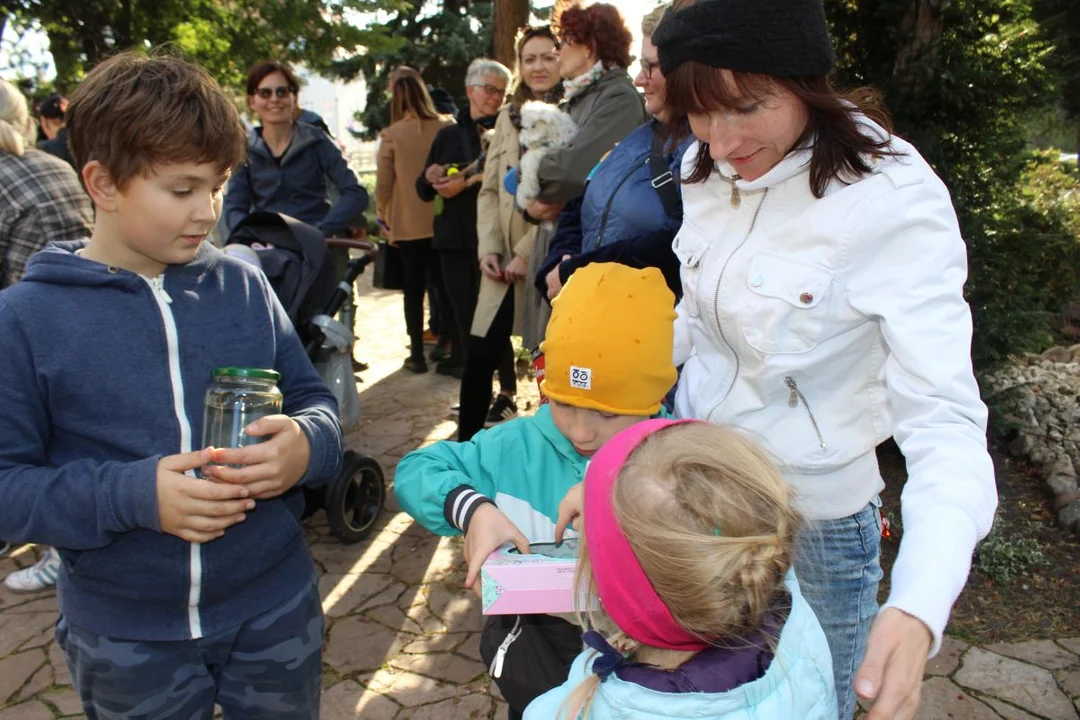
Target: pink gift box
x,y
516,584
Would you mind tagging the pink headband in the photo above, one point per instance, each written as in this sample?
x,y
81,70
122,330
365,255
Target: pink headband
x,y
625,591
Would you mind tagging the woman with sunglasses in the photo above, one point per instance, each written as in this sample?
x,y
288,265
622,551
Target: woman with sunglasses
x,y
290,164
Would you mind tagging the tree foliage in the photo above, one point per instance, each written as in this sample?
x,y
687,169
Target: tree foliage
x,y
226,36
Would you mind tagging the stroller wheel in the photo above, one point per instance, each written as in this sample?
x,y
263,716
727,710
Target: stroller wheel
x,y
354,500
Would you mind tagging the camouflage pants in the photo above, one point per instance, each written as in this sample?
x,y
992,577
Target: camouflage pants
x,y
269,668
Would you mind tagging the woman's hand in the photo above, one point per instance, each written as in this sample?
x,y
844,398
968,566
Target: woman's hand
x,y
268,468
434,173
515,271
489,265
570,509
554,280
891,673
451,186
544,211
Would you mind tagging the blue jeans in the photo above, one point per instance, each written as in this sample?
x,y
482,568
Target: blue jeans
x,y
837,563
268,668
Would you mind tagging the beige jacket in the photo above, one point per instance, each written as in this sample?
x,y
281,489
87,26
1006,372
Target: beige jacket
x,y
501,227
403,149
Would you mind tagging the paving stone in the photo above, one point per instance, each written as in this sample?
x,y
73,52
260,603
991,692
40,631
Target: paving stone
x,y
502,711
942,699
441,666
1071,644
459,609
357,645
15,670
1025,685
1008,712
17,629
422,616
338,558
412,690
1044,653
59,665
40,682
342,594
349,701
948,658
32,710
471,647
42,604
1069,680
393,617
469,707
445,642
66,702
424,564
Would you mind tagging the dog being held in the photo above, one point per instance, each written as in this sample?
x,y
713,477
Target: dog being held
x,y
544,128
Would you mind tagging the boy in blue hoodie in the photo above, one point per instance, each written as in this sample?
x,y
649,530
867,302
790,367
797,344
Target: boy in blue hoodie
x,y
608,366
175,592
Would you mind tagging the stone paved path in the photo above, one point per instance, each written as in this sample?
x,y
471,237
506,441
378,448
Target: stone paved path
x,y
402,636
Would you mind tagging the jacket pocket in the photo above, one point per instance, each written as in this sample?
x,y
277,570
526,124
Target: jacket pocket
x,y
690,246
788,314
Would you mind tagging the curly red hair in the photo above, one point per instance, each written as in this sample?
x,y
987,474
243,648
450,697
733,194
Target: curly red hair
x,y
602,28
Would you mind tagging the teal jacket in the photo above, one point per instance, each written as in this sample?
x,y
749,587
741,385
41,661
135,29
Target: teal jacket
x,y
525,466
798,684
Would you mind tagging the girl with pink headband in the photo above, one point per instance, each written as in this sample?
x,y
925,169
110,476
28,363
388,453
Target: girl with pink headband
x,y
689,536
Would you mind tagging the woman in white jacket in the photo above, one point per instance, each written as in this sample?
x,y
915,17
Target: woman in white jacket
x,y
823,312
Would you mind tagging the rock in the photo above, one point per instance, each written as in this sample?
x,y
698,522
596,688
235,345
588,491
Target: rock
x,y
942,699
446,642
948,658
66,702
41,681
32,710
413,690
348,701
1062,485
1070,644
441,666
1015,681
1008,712
469,707
1069,680
1044,653
15,670
1068,517
59,665
358,645
342,594
17,629
393,617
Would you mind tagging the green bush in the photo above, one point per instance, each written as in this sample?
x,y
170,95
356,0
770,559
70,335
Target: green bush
x,y
1002,559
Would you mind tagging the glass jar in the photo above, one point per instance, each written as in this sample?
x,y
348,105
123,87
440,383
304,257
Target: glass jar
x,y
236,398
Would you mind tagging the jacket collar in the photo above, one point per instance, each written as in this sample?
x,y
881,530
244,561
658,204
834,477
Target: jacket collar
x,y
304,136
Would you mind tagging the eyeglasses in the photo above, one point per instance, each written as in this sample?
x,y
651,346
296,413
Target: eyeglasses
x,y
282,91
491,89
648,67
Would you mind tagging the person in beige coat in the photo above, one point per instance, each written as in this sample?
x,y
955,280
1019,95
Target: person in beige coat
x,y
505,244
407,220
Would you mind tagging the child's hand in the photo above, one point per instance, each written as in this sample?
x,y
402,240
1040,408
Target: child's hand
x,y
489,530
193,509
269,468
570,509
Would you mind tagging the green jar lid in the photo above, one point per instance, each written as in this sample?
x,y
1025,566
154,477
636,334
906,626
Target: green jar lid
x,y
270,375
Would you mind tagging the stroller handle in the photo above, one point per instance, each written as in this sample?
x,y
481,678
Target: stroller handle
x,y
351,244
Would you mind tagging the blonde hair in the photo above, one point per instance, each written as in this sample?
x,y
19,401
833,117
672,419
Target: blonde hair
x,y
17,129
650,21
711,522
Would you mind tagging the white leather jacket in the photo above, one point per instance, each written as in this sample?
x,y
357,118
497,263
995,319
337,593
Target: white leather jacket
x,y
821,327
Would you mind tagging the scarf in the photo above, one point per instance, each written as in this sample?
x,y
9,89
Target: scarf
x,y
575,87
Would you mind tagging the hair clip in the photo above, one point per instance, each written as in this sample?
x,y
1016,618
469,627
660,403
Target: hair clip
x,y
716,530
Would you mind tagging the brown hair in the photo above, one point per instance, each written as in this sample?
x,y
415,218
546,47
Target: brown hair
x,y
840,150
134,111
409,95
259,71
602,28
521,93
712,524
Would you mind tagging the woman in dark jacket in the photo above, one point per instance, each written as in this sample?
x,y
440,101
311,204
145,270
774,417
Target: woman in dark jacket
x,y
455,240
290,164
632,207
601,99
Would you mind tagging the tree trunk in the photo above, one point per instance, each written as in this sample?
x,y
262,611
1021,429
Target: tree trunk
x,y
509,15
922,27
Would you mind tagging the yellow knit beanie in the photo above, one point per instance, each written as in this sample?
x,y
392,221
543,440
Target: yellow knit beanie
x,y
608,344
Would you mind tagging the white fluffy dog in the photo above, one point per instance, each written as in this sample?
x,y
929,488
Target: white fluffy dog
x,y
544,128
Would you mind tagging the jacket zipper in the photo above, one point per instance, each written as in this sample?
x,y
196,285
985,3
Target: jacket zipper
x,y
611,198
157,287
798,397
716,304
500,654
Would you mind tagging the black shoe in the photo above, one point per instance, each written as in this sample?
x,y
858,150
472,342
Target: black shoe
x,y
440,353
416,365
453,369
5,548
359,365
503,409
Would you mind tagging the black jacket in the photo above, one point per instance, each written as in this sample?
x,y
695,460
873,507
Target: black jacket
x,y
459,144
58,146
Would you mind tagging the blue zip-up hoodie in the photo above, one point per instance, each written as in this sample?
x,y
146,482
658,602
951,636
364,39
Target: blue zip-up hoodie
x,y
621,217
298,185
101,375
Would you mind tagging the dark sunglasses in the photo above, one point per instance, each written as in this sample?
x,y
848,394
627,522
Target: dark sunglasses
x,y
282,91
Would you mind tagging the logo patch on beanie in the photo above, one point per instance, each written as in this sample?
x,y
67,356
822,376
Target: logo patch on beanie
x,y
581,378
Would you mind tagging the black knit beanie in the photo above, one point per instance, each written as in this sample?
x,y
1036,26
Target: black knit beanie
x,y
784,38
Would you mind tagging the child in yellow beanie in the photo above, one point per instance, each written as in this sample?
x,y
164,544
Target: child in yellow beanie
x,y
608,357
